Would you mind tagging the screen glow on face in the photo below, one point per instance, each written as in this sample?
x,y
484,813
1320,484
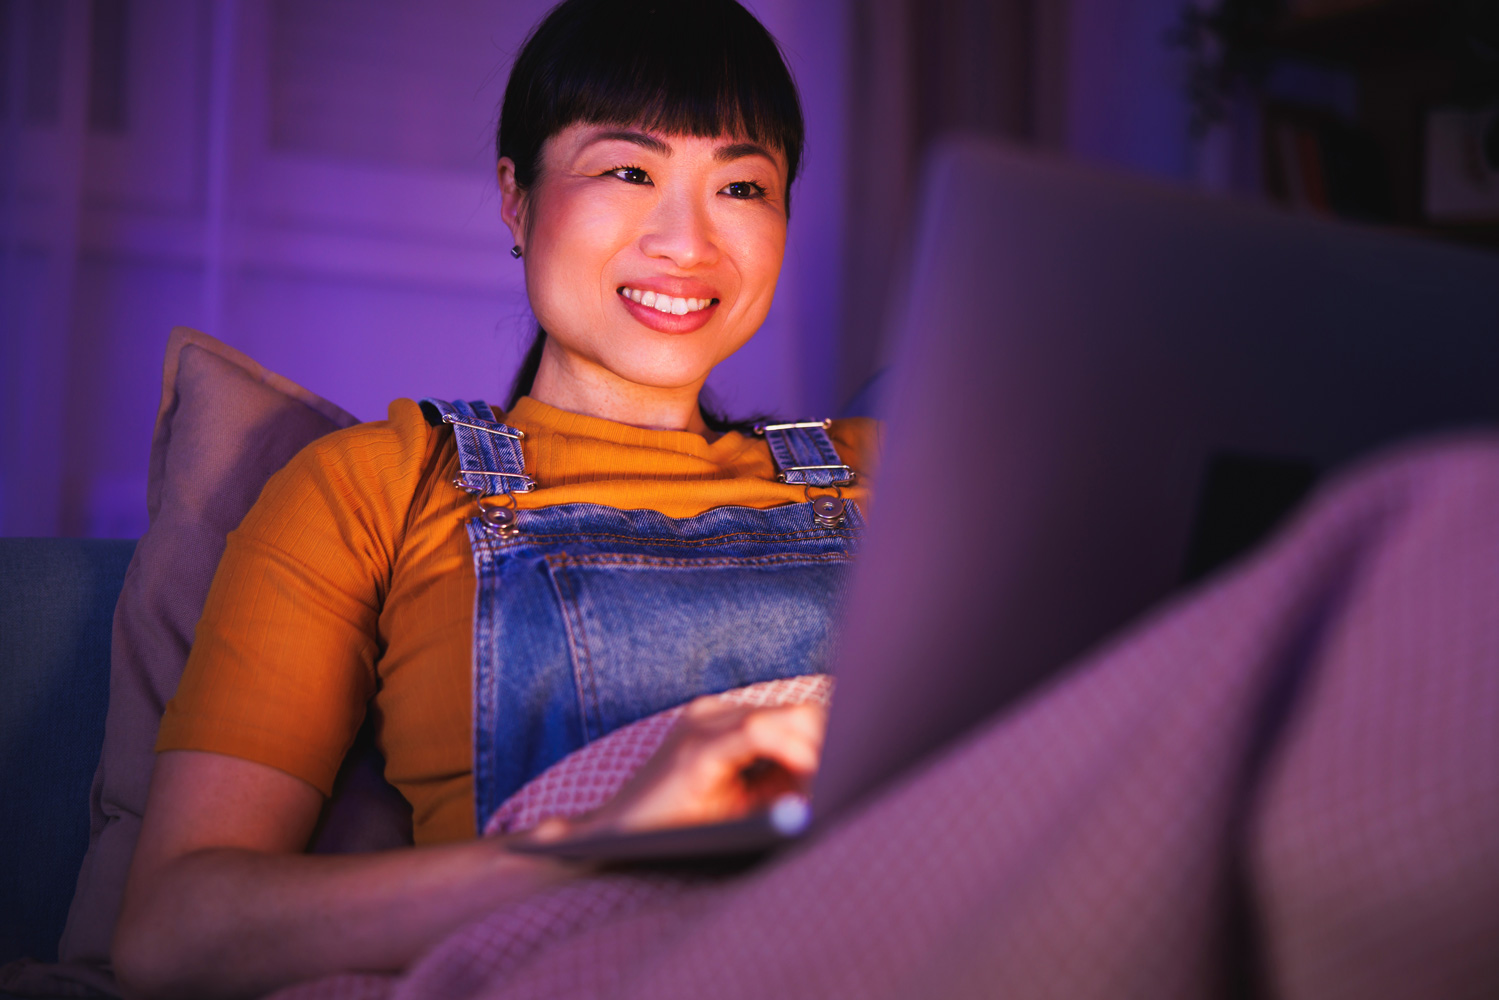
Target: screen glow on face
x,y
651,257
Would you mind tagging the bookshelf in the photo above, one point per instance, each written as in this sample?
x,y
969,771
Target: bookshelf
x,y
1402,125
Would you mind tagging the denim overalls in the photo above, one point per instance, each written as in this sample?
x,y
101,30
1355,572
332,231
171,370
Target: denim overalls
x,y
587,617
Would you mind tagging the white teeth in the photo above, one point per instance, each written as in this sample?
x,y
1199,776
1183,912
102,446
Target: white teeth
x,y
662,302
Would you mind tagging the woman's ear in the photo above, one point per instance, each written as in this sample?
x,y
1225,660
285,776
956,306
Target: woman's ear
x,y
512,201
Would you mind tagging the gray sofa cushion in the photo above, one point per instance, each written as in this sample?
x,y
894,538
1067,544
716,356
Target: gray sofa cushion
x,y
57,597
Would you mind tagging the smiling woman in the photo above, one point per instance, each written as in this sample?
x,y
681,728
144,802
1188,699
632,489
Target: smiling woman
x,y
692,102
613,549
622,262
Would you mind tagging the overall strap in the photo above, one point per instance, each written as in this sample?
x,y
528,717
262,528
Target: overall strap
x,y
805,454
489,456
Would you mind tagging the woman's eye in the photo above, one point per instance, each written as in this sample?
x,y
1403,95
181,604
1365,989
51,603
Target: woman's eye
x,y
631,175
745,190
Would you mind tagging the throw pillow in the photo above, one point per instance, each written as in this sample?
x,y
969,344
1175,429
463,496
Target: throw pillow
x,y
224,426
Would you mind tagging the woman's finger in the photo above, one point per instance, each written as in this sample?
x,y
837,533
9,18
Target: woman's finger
x,y
797,726
806,721
788,735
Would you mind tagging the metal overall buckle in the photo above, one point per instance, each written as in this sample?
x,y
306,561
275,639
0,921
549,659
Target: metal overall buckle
x,y
526,485
849,475
502,518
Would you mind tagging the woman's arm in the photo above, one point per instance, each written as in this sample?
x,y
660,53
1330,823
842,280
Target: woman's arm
x,y
221,903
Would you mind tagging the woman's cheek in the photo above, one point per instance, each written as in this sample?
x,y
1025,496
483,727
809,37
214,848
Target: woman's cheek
x,y
578,246
759,241
589,235
763,251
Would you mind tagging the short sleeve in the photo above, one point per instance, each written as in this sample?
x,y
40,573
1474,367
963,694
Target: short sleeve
x,y
283,659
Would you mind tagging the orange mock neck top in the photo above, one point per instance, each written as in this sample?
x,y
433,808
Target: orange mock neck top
x,y
349,589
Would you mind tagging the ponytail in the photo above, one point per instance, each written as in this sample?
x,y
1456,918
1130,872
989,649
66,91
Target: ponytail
x,y
525,377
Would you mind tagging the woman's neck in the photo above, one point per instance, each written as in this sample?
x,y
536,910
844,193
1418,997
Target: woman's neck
x,y
599,393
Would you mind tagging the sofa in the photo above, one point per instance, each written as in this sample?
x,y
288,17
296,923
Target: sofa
x,y
57,601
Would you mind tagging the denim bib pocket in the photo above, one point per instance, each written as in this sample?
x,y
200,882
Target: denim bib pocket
x,y
649,632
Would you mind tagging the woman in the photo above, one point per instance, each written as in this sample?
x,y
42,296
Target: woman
x,y
628,550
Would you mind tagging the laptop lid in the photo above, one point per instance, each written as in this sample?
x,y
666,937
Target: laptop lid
x,y
1073,349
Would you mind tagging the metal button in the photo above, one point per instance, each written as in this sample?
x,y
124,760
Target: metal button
x,y
829,511
499,519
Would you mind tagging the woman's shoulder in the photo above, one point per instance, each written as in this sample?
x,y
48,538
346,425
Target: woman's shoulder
x,y
398,446
375,467
405,427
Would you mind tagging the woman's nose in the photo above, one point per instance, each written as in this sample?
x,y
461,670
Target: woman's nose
x,y
680,230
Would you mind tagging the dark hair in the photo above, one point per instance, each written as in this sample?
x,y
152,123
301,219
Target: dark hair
x,y
687,67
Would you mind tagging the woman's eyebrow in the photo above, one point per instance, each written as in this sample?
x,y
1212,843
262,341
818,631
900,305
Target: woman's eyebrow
x,y
645,140
641,139
737,150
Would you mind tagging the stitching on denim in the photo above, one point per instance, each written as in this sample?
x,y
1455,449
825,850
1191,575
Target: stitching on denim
x,y
582,657
485,710
716,562
534,537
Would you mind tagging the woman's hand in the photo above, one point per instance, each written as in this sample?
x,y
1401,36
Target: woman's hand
x,y
720,762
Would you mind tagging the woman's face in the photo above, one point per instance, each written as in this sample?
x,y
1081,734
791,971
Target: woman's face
x,y
649,257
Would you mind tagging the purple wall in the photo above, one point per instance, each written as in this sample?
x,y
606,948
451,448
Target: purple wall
x,y
313,183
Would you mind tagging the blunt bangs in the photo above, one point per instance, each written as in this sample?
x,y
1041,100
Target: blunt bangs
x,y
687,67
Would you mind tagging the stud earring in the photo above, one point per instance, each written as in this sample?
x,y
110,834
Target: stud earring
x,y
515,252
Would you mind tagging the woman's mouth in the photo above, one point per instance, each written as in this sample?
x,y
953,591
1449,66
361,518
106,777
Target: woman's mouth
x,y
665,303
666,313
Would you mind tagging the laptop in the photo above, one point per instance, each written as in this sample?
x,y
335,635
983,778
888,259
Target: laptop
x,y
1103,387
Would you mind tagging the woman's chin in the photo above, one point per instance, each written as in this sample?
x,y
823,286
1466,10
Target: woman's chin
x,y
671,376
666,363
